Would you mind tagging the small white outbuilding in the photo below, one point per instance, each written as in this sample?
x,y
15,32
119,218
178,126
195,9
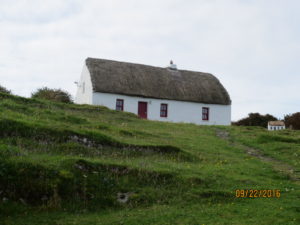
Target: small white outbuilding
x,y
276,125
155,93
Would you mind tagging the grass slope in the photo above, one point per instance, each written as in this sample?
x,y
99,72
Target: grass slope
x,y
72,164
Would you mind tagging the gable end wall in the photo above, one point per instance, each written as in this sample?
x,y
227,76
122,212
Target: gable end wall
x,y
84,93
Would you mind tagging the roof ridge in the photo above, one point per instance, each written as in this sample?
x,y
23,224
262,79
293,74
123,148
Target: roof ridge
x,y
142,64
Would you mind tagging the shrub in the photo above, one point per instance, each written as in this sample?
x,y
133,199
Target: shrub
x,y
255,119
4,90
293,120
53,95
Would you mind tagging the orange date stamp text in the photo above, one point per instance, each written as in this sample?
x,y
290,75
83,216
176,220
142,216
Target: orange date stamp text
x,y
253,193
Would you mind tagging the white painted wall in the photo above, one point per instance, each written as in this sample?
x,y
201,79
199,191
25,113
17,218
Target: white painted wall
x,y
178,111
84,90
276,127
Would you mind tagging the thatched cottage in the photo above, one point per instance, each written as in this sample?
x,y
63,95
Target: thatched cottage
x,y
276,125
155,93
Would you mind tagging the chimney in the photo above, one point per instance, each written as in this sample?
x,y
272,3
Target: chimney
x,y
172,66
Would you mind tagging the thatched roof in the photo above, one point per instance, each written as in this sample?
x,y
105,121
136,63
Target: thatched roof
x,y
155,82
276,123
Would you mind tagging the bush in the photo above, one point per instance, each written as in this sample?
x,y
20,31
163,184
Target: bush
x,y
4,90
293,121
53,95
255,119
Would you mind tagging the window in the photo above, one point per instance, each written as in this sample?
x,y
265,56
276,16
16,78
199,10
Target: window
x,y
205,113
120,104
163,110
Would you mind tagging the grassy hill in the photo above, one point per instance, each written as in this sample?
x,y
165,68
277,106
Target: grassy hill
x,y
71,164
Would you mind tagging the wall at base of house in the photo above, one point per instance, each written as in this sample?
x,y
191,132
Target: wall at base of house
x,y
84,92
276,127
178,111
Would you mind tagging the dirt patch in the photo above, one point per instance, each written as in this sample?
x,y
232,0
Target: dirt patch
x,y
278,165
223,134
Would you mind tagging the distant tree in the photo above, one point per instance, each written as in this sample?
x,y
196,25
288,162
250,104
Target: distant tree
x,y
52,94
4,90
293,120
255,119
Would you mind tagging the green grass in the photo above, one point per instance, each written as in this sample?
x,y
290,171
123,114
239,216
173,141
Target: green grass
x,y
66,164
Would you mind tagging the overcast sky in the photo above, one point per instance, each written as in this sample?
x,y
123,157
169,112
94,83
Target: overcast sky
x,y
251,46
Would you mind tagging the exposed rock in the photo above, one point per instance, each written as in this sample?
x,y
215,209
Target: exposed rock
x,y
23,201
123,197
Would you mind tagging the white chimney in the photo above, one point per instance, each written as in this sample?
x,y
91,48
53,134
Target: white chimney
x,y
172,66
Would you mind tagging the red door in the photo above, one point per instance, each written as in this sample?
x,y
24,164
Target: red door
x,y
142,110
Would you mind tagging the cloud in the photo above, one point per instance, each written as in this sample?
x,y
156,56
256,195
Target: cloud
x,y
251,46
35,11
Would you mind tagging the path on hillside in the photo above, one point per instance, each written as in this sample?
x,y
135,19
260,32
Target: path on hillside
x,y
278,165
